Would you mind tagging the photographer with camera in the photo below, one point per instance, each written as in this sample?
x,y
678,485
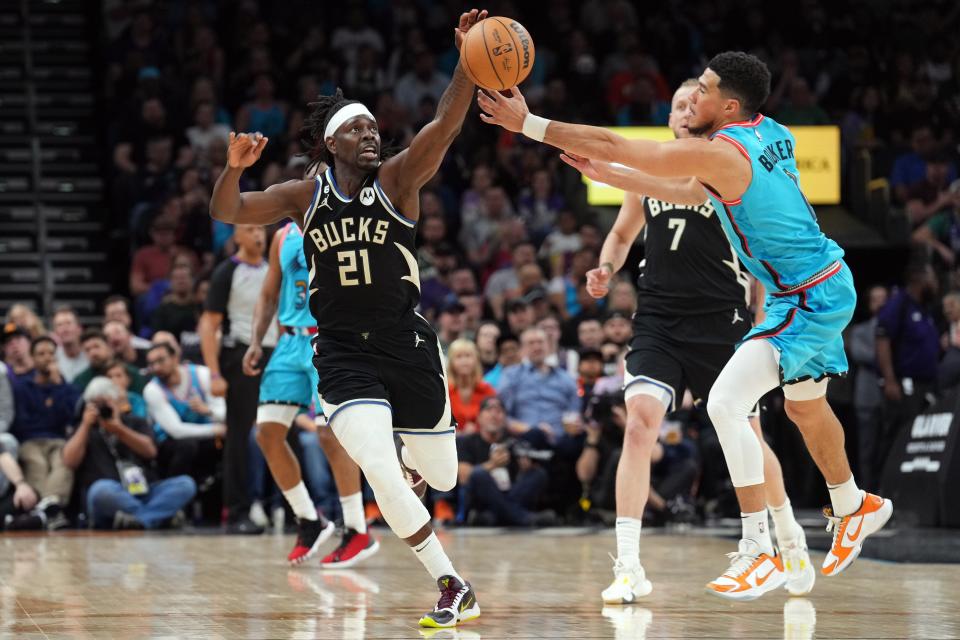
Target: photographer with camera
x,y
112,453
674,466
500,479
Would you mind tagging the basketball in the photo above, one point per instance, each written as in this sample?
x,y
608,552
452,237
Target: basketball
x,y
497,53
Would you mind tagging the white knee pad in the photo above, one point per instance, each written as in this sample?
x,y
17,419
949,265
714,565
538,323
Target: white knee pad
x,y
366,432
434,456
741,448
750,373
806,390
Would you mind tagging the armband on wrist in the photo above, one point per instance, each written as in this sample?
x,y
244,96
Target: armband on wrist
x,y
535,127
609,267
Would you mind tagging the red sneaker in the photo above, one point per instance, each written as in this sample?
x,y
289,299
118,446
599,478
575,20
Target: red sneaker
x,y
310,535
355,547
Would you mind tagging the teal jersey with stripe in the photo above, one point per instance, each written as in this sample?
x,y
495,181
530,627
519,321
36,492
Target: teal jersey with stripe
x,y
772,227
293,310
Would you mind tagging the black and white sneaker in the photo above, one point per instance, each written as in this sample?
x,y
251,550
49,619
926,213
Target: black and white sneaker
x,y
414,479
457,604
310,535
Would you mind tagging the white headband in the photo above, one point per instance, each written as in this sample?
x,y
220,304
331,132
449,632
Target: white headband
x,y
352,110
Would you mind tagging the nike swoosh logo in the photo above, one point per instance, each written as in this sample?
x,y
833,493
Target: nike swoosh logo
x,y
853,538
761,580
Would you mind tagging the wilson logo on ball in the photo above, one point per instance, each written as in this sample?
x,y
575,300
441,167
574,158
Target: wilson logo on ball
x,y
524,42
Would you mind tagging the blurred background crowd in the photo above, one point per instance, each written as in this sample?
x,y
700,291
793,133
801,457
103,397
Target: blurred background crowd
x,y
505,239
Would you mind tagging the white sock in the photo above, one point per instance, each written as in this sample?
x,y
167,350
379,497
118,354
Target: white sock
x,y
756,528
786,525
352,507
300,502
846,497
430,552
628,540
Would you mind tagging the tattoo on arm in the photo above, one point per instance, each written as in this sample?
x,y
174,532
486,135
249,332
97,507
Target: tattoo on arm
x,y
456,99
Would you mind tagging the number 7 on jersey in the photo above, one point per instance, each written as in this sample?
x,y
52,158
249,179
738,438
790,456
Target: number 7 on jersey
x,y
679,224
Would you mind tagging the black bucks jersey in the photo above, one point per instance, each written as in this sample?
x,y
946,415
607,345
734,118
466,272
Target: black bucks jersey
x,y
361,256
689,267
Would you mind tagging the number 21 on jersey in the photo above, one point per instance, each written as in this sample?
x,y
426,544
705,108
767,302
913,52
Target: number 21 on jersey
x,y
354,269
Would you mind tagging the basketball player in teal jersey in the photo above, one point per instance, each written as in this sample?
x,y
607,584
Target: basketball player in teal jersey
x,y
744,162
692,310
287,389
379,363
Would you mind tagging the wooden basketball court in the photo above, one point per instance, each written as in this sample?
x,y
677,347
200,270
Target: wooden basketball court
x,y
530,585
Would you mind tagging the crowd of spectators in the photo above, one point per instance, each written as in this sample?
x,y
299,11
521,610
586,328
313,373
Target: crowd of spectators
x,y
505,239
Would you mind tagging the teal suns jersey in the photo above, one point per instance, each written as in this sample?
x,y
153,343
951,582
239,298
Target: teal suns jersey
x,y
293,310
772,227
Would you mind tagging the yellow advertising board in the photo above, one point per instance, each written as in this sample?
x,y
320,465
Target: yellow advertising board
x,y
817,155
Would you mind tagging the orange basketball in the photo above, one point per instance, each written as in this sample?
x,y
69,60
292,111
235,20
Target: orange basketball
x,y
497,53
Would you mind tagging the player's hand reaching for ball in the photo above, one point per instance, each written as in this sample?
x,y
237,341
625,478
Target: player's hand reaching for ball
x,y
507,111
245,149
586,166
467,20
598,281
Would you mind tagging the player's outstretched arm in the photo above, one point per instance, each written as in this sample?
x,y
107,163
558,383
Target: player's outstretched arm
x,y
716,163
412,168
687,191
227,204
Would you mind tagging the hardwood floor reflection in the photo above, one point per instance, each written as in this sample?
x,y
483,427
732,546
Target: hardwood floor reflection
x,y
537,585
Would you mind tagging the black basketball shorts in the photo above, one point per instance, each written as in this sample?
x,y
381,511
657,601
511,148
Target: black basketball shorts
x,y
676,353
401,367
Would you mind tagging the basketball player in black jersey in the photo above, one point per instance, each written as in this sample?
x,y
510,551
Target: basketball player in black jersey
x,y
691,312
379,362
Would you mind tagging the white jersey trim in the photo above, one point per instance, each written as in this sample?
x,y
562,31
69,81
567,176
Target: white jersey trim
x,y
385,201
312,209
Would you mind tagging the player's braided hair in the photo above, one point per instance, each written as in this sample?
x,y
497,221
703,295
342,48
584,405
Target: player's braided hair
x,y
316,123
743,76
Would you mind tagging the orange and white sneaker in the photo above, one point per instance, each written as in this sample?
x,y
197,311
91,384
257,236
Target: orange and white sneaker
x,y
752,573
850,531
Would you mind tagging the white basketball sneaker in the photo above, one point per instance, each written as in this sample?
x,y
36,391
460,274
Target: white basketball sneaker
x,y
629,583
752,573
797,566
850,531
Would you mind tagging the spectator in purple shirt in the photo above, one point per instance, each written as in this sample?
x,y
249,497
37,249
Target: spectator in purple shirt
x,y
908,352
